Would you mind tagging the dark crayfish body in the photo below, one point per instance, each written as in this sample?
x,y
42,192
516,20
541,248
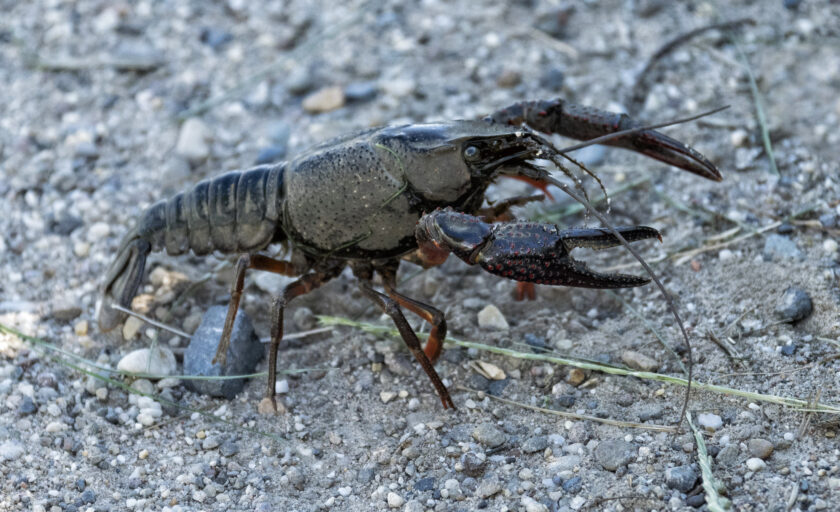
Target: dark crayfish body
x,y
370,198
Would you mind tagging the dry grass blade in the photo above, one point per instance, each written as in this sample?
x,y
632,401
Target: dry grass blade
x,y
711,485
586,365
759,109
574,416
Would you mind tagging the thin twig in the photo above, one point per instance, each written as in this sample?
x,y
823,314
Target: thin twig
x,y
574,416
641,88
150,321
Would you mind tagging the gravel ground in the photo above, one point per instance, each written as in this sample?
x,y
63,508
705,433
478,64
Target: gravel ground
x,y
90,135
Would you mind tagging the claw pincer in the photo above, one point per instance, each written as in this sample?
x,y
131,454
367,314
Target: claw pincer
x,y
526,251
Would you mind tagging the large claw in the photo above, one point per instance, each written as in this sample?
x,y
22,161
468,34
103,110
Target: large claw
x,y
526,251
584,123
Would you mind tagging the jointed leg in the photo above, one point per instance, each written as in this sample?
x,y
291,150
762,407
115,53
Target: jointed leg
x,y
391,308
246,261
435,317
300,287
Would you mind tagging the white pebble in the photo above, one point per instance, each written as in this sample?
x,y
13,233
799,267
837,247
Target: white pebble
x,y
738,138
755,464
725,254
98,231
532,505
159,361
491,318
710,421
81,249
387,396
395,500
145,419
281,387
55,426
345,491
830,246
193,141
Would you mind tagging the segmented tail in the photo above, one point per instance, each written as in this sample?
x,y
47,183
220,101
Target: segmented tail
x,y
123,279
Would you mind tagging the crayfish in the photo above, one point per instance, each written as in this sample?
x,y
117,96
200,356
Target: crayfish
x,y
371,198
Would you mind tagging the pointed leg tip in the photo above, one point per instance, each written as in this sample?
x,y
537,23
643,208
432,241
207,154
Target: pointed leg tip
x,y
269,406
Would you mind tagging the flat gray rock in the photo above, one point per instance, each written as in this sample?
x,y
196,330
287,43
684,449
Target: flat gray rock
x,y
244,353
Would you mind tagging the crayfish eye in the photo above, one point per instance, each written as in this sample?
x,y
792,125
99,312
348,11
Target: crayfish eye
x,y
471,153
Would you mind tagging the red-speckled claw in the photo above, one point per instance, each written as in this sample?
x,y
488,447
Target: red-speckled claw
x,y
584,123
527,251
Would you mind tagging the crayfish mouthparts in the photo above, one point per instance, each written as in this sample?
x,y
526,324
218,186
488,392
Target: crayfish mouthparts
x,y
527,251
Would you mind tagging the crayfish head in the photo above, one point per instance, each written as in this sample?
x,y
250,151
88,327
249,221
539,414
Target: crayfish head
x,y
443,161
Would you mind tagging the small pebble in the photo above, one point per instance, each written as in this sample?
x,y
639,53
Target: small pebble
x,y
573,485
755,464
760,448
681,478
488,487
395,500
725,255
193,141
27,407
157,361
387,396
488,435
639,361
529,504
614,454
710,422
131,327
81,328
11,450
98,231
324,100
270,154
491,318
473,464
779,247
535,444
360,91
576,376
794,305
830,246
281,387
423,485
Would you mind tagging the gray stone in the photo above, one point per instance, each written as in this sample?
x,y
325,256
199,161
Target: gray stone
x,y
488,435
193,141
244,353
778,247
760,448
270,154
488,487
535,444
573,485
728,455
473,464
639,361
425,484
11,450
360,91
27,407
614,453
229,448
794,305
828,220
681,478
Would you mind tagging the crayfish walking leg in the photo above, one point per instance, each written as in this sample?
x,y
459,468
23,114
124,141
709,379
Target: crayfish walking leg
x,y
391,307
246,261
300,287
